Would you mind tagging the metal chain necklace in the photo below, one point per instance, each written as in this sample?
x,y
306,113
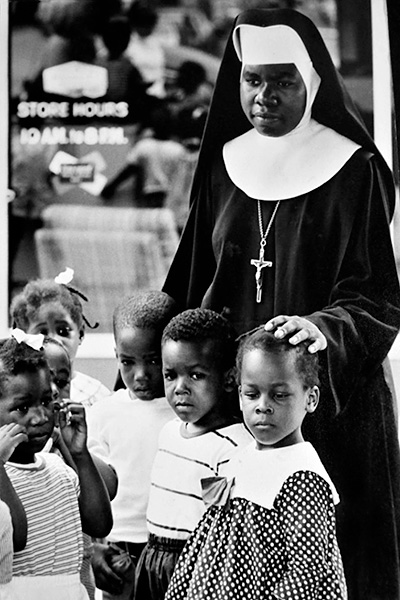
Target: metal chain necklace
x,y
260,263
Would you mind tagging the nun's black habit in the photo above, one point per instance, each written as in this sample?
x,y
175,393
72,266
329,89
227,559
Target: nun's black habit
x,y
333,264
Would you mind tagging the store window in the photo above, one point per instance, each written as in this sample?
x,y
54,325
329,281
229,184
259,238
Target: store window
x,y
77,102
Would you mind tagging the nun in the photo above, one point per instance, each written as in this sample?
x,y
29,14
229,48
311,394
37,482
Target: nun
x,y
289,226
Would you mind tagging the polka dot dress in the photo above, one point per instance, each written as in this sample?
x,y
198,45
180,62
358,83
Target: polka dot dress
x,y
248,552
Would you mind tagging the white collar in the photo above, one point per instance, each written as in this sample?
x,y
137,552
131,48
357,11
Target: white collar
x,y
269,168
260,474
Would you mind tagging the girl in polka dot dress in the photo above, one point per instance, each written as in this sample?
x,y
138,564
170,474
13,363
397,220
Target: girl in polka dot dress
x,y
269,532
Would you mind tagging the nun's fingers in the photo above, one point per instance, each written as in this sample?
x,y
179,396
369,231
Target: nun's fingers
x,y
276,322
313,334
297,329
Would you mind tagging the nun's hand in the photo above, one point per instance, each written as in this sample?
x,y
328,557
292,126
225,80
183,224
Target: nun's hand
x,y
297,329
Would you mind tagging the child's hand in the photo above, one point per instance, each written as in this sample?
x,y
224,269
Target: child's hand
x,y
73,427
106,577
11,435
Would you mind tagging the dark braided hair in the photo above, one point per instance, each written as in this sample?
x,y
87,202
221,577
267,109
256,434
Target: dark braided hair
x,y
40,291
306,363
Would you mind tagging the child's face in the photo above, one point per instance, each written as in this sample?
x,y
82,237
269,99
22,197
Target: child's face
x,y
194,382
53,320
60,370
28,401
273,398
139,359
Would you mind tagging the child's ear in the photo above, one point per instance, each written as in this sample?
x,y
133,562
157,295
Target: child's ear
x,y
312,399
230,379
81,334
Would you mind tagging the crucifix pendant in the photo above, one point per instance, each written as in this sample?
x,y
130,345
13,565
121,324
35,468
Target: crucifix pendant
x,y
259,265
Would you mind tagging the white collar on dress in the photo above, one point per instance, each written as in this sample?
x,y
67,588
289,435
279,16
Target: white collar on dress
x,y
260,474
280,168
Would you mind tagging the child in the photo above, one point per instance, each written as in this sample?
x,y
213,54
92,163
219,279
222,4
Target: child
x,y
153,160
145,48
59,503
191,90
198,350
13,526
270,530
55,309
125,82
60,370
124,428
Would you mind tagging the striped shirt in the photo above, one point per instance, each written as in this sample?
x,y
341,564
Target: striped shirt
x,y
6,545
176,505
49,491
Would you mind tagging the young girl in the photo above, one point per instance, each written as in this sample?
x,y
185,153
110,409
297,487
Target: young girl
x,y
198,354
54,308
59,502
270,528
60,370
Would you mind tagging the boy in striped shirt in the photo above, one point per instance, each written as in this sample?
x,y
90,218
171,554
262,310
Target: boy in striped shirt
x,y
198,356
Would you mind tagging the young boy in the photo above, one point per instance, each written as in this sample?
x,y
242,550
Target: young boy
x,y
271,531
198,354
124,428
59,503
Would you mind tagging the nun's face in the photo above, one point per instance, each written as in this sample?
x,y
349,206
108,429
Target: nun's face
x,y
273,97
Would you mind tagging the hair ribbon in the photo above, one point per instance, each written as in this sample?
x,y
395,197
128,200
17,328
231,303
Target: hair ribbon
x,y
35,341
65,277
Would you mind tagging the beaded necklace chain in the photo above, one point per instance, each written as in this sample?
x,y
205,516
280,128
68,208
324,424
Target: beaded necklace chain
x,y
260,263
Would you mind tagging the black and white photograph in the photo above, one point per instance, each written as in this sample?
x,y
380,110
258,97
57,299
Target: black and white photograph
x,y
200,300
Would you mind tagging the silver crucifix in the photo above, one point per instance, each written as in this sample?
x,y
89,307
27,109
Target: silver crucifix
x,y
259,265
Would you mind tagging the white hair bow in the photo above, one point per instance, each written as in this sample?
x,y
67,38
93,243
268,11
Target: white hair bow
x,y
35,341
65,277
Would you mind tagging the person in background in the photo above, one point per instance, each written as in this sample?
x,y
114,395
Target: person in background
x,y
191,90
154,161
145,50
290,226
123,430
196,23
55,309
270,529
125,82
198,352
59,503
